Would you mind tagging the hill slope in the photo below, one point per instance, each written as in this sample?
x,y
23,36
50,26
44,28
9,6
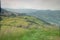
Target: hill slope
x,y
50,16
27,28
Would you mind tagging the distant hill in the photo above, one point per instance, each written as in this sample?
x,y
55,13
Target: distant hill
x,y
22,10
50,16
5,12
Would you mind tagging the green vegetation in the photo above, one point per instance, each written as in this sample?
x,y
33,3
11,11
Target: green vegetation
x,y
27,28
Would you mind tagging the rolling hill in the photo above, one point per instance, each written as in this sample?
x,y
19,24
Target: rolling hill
x,y
26,27
50,16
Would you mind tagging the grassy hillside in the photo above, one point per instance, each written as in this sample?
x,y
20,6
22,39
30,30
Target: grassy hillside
x,y
51,16
27,28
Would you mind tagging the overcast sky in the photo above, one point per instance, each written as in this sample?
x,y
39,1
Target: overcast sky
x,y
31,4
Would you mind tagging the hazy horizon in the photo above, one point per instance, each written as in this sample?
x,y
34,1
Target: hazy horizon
x,y
31,4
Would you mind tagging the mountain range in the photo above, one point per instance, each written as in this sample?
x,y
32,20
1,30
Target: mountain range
x,y
50,16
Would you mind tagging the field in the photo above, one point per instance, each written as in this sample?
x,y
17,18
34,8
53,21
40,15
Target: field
x,y
27,28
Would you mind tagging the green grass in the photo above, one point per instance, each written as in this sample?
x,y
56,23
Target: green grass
x,y
30,34
10,29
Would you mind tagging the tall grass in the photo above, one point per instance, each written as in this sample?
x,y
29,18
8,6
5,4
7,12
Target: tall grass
x,y
10,31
